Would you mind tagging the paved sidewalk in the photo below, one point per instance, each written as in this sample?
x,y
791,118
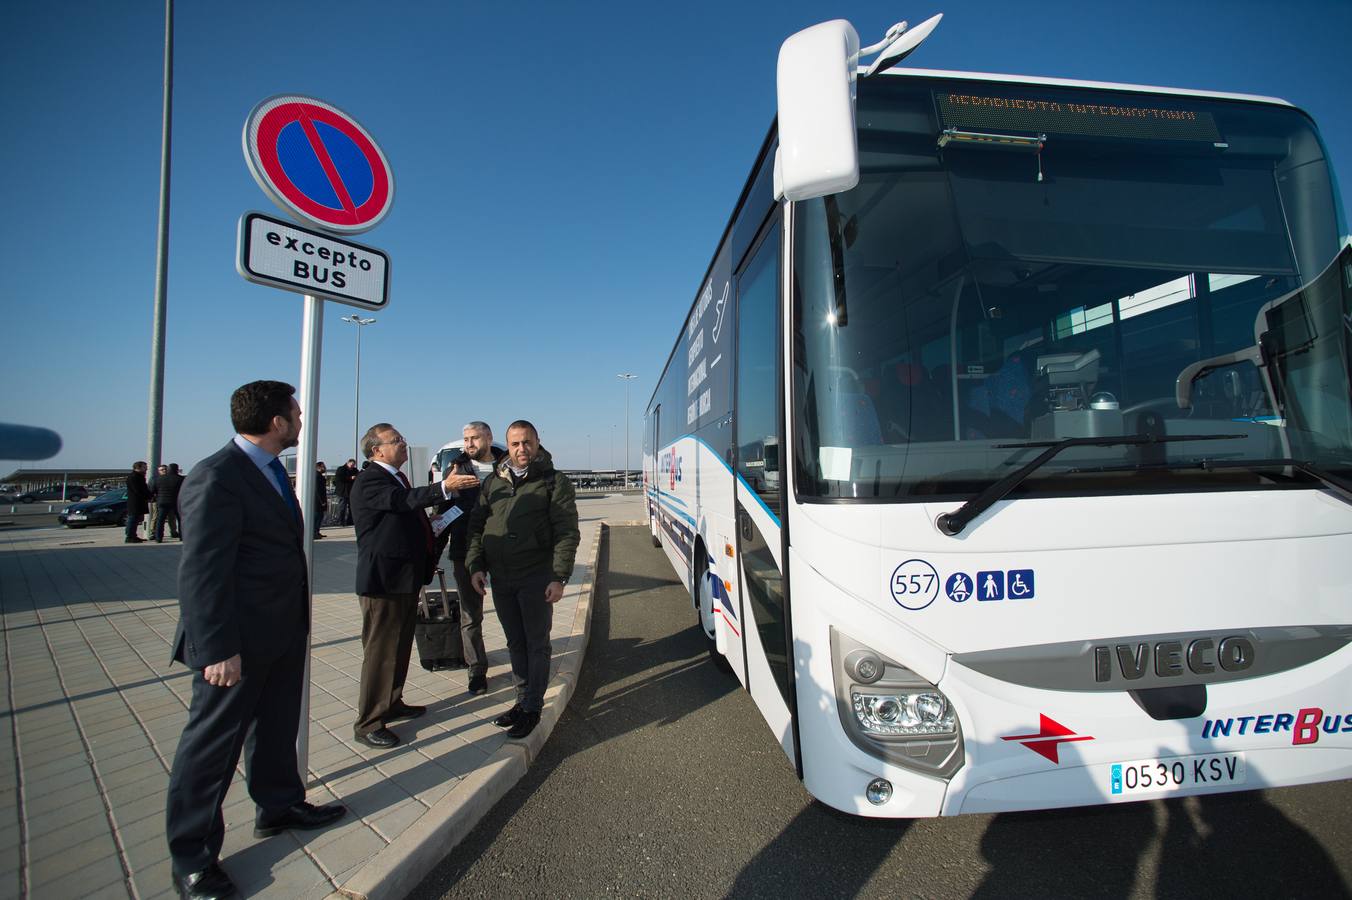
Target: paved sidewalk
x,y
91,710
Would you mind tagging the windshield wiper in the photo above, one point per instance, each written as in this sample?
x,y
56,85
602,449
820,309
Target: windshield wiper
x,y
954,522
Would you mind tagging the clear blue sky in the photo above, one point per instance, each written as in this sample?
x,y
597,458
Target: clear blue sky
x,y
563,172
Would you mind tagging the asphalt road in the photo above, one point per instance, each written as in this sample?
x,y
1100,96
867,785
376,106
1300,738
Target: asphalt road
x,y
661,780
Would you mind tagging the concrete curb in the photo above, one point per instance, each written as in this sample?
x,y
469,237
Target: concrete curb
x,y
403,864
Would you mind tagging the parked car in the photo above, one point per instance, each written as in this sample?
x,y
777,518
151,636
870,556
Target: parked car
x,y
54,492
108,508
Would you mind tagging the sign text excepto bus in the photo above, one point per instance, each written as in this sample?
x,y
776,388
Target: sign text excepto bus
x,y
280,254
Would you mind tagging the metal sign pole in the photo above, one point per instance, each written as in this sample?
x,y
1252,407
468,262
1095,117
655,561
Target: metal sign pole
x,y
307,454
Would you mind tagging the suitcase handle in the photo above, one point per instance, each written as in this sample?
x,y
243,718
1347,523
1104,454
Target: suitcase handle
x,y
423,608
445,601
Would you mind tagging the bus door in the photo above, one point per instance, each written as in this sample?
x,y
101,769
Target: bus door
x,y
759,506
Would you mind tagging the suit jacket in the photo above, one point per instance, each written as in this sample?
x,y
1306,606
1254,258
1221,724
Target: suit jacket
x,y
166,488
242,579
392,552
342,480
138,494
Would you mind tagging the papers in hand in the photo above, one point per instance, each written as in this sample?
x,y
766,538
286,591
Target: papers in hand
x,y
442,522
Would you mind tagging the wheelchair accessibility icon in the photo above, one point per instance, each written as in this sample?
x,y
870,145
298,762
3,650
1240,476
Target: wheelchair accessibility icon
x,y
1020,584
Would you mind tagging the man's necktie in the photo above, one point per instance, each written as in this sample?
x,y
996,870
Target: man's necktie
x,y
279,475
422,518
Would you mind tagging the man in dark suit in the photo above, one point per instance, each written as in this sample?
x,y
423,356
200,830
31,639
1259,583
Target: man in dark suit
x,y
396,555
244,616
342,489
167,486
138,501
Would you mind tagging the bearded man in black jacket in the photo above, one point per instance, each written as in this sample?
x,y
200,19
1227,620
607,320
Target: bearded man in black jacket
x,y
478,458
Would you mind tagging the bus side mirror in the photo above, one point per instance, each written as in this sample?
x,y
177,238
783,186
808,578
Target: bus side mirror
x,y
818,149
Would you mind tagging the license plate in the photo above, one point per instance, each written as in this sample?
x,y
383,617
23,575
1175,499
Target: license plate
x,y
1176,773
75,517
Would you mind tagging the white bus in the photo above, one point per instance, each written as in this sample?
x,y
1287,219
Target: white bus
x,y
1055,380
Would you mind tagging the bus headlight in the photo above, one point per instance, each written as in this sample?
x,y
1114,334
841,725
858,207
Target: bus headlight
x,y
904,712
891,712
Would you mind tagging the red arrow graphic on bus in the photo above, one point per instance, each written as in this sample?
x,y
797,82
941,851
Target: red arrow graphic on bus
x,y
1050,736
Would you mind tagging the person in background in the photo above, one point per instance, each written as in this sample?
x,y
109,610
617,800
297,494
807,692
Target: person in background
x,y
138,501
244,613
477,458
524,534
321,496
167,485
342,488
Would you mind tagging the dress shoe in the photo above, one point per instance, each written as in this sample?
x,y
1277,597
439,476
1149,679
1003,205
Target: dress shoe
x,y
134,540
381,739
525,723
508,719
319,537
302,816
208,884
478,684
405,711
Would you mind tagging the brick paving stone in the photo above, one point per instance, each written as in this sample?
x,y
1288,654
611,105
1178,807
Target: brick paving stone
x,y
361,843
48,863
91,878
85,827
48,780
147,853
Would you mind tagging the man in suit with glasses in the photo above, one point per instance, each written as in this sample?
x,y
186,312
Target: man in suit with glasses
x,y
396,555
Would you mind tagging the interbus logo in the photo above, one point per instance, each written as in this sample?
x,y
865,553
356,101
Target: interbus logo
x,y
1305,725
669,464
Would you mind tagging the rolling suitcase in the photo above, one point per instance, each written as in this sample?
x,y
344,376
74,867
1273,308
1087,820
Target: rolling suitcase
x,y
438,633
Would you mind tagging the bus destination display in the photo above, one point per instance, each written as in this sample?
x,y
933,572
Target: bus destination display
x,y
1118,119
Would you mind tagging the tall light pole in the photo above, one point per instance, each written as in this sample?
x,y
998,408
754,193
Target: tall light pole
x,y
356,403
155,425
627,378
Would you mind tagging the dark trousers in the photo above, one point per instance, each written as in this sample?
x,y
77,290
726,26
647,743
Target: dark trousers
x,y
387,622
259,715
526,618
319,516
471,620
343,514
166,514
133,524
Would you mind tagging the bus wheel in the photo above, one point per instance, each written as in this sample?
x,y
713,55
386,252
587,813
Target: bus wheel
x,y
652,529
706,603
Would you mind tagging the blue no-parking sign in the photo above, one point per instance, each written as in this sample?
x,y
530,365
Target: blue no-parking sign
x,y
316,161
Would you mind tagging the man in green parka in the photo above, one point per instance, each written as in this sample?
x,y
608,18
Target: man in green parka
x,y
523,535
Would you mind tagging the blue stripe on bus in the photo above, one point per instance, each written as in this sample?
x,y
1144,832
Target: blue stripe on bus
x,y
716,455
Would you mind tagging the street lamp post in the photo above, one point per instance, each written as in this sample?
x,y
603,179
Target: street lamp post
x,y
356,403
627,378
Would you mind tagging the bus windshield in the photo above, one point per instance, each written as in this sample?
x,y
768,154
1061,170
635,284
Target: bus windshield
x,y
1023,264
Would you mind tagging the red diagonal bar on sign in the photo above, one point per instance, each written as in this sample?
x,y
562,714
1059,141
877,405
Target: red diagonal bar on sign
x,y
326,162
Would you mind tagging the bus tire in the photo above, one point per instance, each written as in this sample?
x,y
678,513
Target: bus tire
x,y
704,599
652,528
